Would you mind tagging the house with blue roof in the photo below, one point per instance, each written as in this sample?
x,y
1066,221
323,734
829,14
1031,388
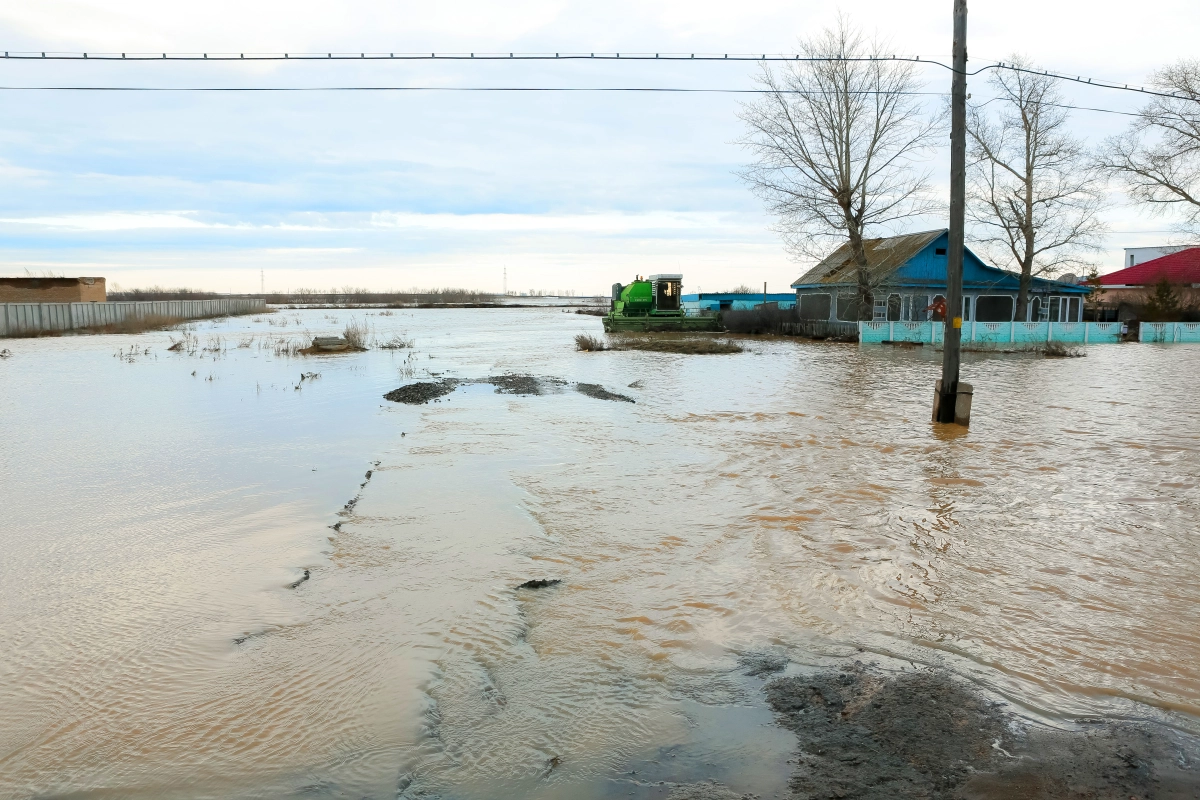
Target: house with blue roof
x,y
716,302
908,282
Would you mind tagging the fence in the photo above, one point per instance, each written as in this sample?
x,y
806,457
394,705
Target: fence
x,y
998,332
32,318
1169,332
821,329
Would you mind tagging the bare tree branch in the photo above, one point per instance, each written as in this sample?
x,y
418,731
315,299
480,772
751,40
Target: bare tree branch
x,y
835,143
1034,197
1158,158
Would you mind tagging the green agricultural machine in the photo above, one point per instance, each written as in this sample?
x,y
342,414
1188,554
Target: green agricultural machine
x,y
654,305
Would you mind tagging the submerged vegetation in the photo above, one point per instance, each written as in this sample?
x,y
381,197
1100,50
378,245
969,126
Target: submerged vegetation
x,y
1061,350
658,343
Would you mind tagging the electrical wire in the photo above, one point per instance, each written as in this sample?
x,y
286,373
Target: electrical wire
x,y
530,89
513,56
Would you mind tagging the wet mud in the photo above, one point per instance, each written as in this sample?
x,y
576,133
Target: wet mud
x,y
924,734
423,392
523,385
598,392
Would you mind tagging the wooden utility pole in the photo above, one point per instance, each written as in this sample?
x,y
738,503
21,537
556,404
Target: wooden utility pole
x,y
952,400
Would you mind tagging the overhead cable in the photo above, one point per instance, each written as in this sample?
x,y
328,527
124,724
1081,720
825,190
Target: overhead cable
x,y
46,55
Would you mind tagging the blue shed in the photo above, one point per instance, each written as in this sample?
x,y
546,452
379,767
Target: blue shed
x,y
712,302
908,278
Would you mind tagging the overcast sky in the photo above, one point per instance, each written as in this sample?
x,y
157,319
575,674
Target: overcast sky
x,y
394,190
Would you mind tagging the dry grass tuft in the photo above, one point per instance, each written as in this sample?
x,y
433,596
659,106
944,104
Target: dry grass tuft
x,y
589,344
658,343
667,343
357,334
397,342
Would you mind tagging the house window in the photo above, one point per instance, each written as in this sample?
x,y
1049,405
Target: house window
x,y
939,251
994,308
1035,310
937,305
1131,258
966,315
879,310
847,307
814,306
1055,309
893,308
1074,310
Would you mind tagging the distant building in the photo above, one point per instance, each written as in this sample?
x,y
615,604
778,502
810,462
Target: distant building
x,y
52,290
1140,255
1127,289
737,301
908,276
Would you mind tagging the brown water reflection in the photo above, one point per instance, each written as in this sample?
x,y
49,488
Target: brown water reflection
x,y
793,499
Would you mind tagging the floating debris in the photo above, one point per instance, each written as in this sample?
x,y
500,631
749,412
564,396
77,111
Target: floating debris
x,y
296,583
539,583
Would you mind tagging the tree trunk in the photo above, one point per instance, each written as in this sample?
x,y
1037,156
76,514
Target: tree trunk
x,y
1026,284
862,274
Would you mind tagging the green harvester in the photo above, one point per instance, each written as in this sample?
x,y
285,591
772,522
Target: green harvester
x,y
654,305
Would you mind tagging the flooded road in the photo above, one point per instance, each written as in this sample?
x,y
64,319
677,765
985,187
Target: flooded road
x,y
161,509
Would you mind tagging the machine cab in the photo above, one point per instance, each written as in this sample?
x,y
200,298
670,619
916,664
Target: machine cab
x,y
668,290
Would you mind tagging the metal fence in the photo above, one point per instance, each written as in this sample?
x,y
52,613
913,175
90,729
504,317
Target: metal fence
x,y
18,319
996,332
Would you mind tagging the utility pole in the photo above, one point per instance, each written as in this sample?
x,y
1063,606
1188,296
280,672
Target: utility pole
x,y
952,399
506,280
764,294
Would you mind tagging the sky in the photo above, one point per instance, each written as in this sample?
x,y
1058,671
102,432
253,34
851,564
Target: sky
x,y
392,190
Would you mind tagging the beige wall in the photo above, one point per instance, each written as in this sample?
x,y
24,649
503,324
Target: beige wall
x,y
52,290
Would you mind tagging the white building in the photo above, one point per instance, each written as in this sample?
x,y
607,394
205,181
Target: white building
x,y
1139,255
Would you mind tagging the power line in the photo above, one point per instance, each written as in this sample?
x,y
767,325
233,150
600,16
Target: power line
x,y
561,56
530,89
696,90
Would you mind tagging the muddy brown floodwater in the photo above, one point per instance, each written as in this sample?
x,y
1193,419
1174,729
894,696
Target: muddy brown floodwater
x,y
221,580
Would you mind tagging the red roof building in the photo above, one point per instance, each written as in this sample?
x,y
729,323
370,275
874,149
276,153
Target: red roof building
x,y
1182,268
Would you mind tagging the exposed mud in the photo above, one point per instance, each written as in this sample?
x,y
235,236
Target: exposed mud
x,y
526,385
926,735
515,384
707,791
420,393
760,665
600,393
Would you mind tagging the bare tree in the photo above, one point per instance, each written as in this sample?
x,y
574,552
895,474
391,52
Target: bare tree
x,y
1158,158
1033,194
835,141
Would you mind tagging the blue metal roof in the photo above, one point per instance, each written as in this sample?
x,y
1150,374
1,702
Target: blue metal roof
x,y
921,267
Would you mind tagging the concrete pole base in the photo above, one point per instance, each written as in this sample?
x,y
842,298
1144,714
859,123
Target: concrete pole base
x,y
953,407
